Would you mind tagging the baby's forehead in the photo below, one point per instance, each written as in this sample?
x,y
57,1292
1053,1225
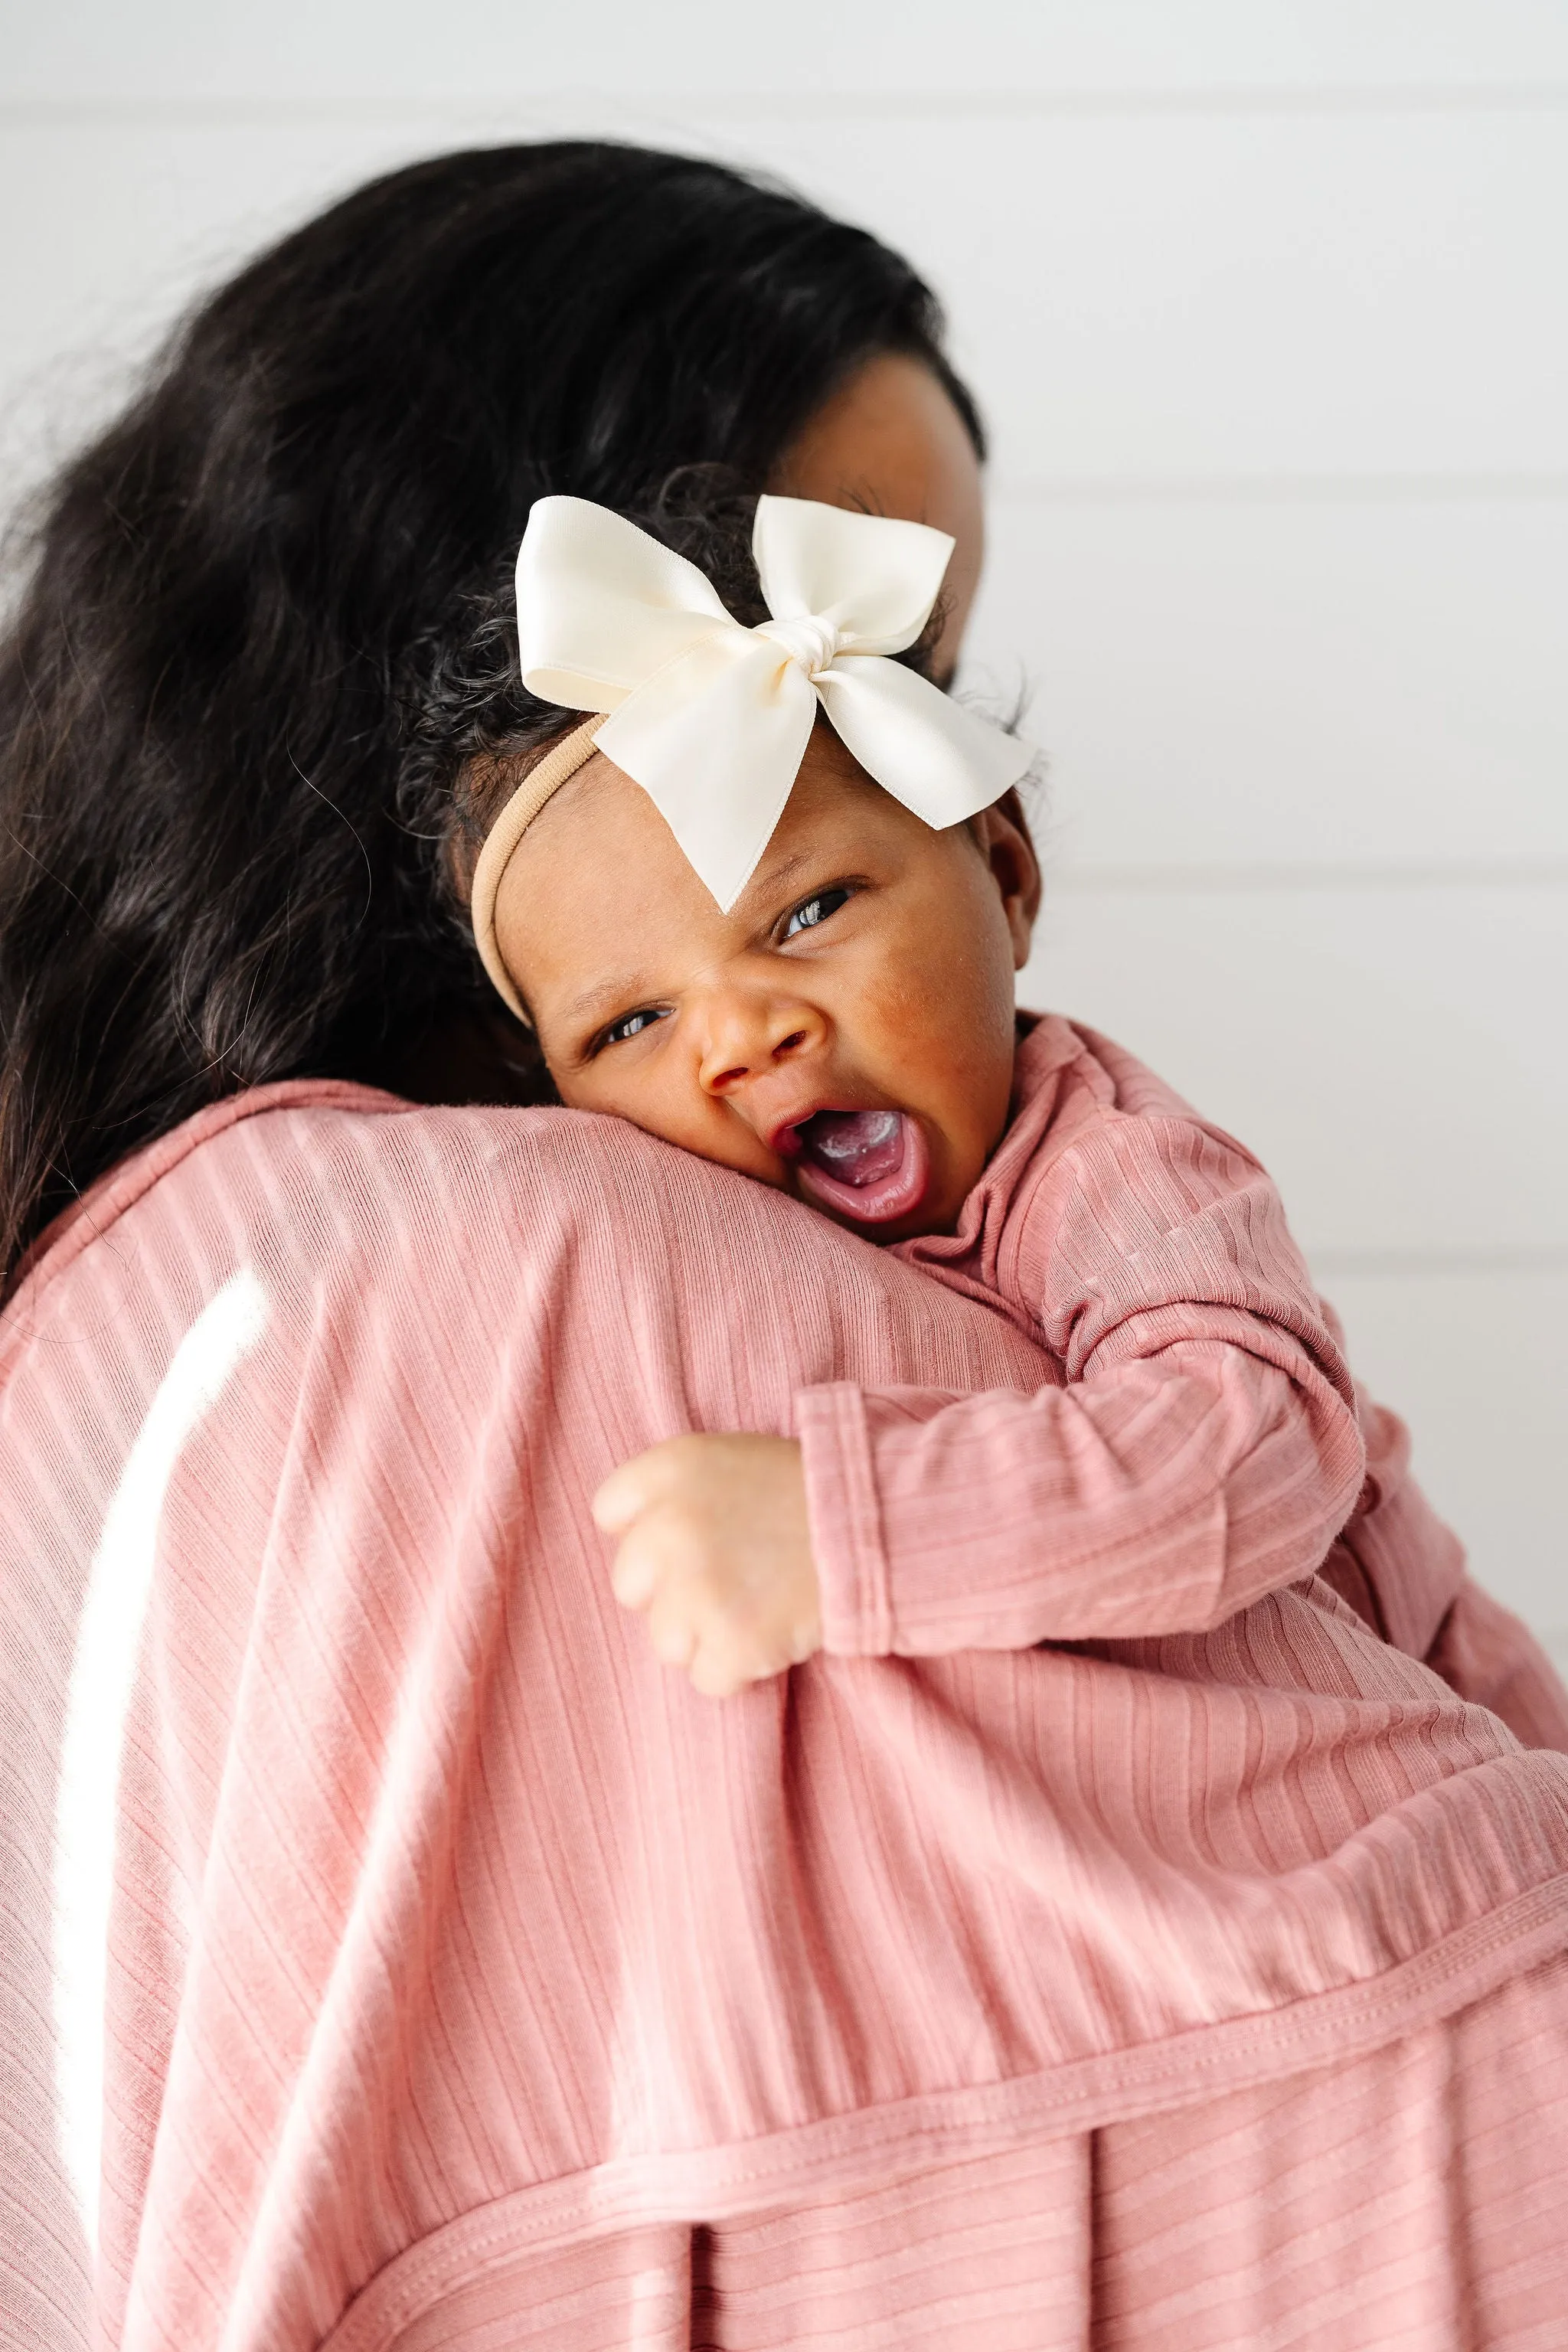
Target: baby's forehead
x,y
600,813
828,775
598,806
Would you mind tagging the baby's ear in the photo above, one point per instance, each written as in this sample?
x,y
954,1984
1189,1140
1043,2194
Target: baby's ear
x,y
1003,838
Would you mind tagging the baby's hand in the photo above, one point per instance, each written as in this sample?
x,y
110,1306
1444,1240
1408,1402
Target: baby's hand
x,y
715,1547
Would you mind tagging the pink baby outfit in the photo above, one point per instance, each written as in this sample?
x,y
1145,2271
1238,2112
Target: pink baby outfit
x,y
1200,1441
392,1954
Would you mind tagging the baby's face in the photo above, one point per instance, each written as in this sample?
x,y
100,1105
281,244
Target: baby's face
x,y
846,1032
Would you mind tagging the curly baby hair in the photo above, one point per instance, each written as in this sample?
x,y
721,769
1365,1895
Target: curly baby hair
x,y
221,850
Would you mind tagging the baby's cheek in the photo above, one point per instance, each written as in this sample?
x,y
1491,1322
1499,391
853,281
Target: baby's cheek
x,y
969,1061
706,1128
898,1002
943,1031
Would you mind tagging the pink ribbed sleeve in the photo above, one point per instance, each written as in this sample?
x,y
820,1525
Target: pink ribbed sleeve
x,y
1201,1449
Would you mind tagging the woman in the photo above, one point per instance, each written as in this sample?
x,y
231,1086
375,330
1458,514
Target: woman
x,y
242,587
396,1956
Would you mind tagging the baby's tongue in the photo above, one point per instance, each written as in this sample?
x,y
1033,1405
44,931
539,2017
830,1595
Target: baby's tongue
x,y
858,1147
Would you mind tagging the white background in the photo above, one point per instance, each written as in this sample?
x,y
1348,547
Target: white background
x,y
1266,303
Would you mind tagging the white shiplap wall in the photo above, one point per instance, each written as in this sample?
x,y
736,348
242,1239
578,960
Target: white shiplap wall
x,y
1266,305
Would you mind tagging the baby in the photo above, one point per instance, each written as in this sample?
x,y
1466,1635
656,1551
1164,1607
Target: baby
x,y
770,911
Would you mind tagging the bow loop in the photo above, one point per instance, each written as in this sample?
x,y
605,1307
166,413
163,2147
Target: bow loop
x,y
705,715
601,605
871,578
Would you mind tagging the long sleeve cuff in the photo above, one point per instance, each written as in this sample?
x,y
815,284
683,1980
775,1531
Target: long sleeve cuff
x,y
846,1520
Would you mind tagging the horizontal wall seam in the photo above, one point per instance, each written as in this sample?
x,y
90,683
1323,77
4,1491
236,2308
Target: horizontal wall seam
x,y
1089,881
1372,488
1425,1265
783,106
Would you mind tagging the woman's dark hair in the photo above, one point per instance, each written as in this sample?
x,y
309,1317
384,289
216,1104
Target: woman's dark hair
x,y
218,863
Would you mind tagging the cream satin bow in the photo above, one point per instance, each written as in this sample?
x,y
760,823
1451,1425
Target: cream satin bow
x,y
711,718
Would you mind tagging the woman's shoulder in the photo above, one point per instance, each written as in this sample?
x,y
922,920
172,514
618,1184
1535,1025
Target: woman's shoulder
x,y
334,1190
89,1218
361,1215
289,1139
287,1122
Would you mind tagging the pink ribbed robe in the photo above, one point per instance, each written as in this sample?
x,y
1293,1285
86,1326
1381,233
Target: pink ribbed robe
x,y
395,1955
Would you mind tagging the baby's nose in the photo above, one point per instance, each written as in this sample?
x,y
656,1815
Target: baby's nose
x,y
747,1038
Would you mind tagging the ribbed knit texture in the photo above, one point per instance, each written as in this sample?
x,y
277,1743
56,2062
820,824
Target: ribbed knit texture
x,y
465,1980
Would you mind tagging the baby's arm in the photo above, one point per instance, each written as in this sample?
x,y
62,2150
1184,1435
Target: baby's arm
x,y
1202,1450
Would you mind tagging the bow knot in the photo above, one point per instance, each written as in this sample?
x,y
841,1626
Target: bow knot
x,y
812,641
703,714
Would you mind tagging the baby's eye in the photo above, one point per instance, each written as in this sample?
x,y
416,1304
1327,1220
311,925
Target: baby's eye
x,y
814,910
630,1024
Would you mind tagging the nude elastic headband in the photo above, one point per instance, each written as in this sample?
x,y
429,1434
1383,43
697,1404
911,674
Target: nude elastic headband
x,y
712,718
508,830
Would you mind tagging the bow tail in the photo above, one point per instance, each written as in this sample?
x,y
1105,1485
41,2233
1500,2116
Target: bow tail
x,y
943,763
715,738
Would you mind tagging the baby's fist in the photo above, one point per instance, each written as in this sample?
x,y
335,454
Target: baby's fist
x,y
715,1547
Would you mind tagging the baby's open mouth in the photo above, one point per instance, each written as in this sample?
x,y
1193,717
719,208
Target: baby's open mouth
x,y
870,1165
